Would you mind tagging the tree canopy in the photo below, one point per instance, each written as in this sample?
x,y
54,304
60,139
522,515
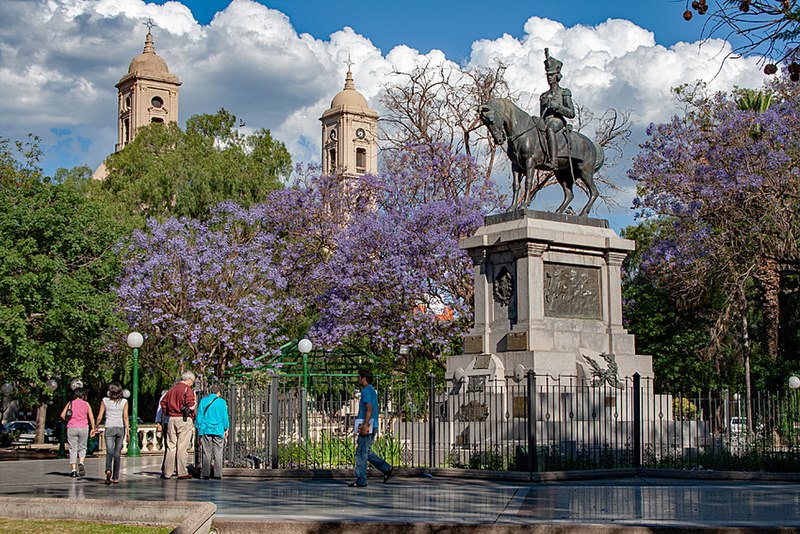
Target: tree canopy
x,y
725,182
346,260
56,270
207,293
167,172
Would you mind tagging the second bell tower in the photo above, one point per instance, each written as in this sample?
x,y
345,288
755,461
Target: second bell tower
x,y
349,131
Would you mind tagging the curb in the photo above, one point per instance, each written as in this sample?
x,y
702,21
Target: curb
x,y
513,476
190,517
348,527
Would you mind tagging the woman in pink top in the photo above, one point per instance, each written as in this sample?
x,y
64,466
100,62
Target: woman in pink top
x,y
80,422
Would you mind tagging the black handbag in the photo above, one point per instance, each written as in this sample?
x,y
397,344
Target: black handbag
x,y
68,413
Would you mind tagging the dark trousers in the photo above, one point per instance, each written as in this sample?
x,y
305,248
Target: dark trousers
x,y
212,453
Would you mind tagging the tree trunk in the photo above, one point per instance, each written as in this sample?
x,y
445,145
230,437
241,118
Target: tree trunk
x,y
746,357
770,278
41,417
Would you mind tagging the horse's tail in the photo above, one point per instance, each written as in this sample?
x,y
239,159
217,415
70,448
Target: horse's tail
x,y
601,157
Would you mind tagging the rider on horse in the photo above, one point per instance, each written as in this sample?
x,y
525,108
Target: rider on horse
x,y
555,106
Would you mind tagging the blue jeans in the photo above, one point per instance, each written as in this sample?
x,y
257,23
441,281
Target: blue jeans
x,y
364,454
115,435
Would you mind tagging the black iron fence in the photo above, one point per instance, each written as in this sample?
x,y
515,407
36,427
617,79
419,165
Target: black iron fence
x,y
565,424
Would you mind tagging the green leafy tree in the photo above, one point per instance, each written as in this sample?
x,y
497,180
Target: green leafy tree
x,y
676,338
56,268
167,172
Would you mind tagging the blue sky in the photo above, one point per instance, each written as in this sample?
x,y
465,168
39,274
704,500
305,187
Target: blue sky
x,y
452,26
277,64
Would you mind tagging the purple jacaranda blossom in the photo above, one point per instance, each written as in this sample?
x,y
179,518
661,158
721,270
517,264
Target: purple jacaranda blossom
x,y
724,182
357,258
209,292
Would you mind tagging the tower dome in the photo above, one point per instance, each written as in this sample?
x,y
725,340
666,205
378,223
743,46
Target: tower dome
x,y
349,96
148,60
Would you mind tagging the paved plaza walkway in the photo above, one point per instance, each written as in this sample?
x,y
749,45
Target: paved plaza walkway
x,y
635,501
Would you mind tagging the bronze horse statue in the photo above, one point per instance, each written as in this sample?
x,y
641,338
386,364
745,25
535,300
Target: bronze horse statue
x,y
578,156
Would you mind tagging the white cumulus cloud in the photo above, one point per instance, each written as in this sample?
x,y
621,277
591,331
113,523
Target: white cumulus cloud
x,y
60,60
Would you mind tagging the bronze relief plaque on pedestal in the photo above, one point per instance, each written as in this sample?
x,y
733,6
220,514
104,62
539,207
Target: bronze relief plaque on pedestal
x,y
517,341
572,292
473,344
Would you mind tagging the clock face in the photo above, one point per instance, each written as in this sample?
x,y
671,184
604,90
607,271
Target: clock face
x,y
360,133
333,134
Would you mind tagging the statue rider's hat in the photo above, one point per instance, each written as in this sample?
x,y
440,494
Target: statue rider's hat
x,y
551,64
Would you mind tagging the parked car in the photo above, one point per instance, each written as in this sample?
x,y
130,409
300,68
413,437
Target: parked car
x,y
27,430
738,425
25,427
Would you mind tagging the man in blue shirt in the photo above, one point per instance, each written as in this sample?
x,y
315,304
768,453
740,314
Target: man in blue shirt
x,y
368,414
212,427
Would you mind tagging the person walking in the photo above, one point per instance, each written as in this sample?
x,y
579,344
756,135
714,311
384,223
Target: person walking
x,y
80,423
366,428
117,428
212,427
178,404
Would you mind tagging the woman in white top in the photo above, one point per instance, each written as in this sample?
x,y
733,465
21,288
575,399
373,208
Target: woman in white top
x,y
117,429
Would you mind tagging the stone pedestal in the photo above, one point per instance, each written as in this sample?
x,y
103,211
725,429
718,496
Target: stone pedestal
x,y
548,298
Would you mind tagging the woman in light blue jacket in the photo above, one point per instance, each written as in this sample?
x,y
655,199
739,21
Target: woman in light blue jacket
x,y
212,427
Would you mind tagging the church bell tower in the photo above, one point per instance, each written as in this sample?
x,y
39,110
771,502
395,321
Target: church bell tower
x,y
147,93
349,133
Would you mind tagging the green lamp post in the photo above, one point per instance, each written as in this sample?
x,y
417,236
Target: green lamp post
x,y
52,385
135,341
305,346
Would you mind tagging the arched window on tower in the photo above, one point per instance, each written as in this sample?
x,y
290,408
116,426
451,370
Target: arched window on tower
x,y
361,159
332,160
126,130
157,119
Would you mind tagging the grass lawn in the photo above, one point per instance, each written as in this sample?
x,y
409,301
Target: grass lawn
x,y
46,526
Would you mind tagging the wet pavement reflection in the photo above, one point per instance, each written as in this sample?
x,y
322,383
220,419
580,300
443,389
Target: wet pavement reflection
x,y
630,501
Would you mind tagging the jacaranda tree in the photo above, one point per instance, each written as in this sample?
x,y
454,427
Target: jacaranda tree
x,y
397,278
376,264
726,182
208,292
347,260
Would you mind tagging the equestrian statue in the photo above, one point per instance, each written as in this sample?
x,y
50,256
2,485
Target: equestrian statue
x,y
544,143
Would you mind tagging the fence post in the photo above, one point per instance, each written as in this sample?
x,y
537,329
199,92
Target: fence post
x,y
274,422
533,460
431,421
637,420
232,413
